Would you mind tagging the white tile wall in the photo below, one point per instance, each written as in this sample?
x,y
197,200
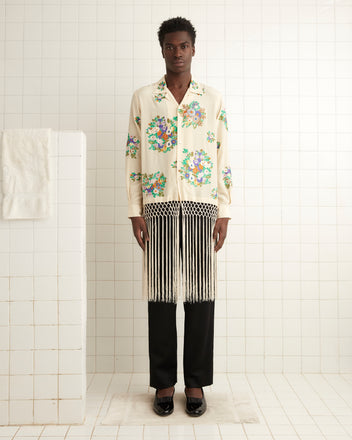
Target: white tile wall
x,y
285,70
43,300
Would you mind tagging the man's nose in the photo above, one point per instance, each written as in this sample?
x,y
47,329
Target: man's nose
x,y
177,52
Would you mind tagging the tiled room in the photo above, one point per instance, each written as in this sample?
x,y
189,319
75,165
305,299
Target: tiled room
x,y
73,323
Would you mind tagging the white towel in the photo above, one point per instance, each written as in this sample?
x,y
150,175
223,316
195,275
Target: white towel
x,y
26,173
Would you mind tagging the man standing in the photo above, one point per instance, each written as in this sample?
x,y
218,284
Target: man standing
x,y
178,180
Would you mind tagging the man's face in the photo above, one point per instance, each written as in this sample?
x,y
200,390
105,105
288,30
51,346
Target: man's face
x,y
178,51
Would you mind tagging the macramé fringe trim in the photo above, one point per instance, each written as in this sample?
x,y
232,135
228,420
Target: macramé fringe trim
x,y
171,259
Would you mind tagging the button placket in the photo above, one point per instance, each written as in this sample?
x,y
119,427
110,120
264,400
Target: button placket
x,y
178,156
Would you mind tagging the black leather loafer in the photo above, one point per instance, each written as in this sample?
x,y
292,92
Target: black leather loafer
x,y
196,406
164,406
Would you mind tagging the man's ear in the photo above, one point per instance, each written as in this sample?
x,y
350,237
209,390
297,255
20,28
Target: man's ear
x,y
193,50
162,53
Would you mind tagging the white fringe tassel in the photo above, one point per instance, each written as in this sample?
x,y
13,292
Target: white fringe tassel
x,y
165,264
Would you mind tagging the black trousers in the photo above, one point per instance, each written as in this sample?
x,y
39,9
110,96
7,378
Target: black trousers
x,y
198,340
197,348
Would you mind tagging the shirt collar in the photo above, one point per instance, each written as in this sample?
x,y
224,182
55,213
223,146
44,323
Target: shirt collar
x,y
161,89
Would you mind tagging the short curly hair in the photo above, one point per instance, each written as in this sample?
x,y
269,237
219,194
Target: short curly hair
x,y
174,25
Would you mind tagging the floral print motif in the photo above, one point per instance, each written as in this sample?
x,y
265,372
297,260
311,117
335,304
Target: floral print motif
x,y
223,117
227,176
218,145
211,136
196,167
135,177
138,120
162,85
162,134
132,146
159,97
194,85
193,114
173,164
154,184
214,193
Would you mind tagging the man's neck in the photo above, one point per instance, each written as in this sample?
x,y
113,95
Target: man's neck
x,y
177,80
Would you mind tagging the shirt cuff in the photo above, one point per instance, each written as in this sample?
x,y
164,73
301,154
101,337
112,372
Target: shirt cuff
x,y
134,211
224,211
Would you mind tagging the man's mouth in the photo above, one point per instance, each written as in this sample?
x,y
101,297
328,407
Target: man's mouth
x,y
179,62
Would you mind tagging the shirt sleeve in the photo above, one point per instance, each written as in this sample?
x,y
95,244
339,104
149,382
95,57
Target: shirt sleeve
x,y
133,175
223,164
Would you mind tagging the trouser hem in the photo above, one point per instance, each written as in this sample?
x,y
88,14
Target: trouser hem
x,y
158,387
198,384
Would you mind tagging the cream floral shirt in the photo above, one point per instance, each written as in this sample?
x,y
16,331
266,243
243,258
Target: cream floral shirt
x,y
177,151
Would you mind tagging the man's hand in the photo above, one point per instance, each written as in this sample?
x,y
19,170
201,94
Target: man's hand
x,y
139,225
221,229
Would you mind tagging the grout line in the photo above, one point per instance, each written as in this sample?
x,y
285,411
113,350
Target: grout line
x,y
348,403
95,338
115,210
58,401
281,202
299,195
263,281
346,377
107,394
339,367
9,260
282,406
301,375
318,185
244,198
50,183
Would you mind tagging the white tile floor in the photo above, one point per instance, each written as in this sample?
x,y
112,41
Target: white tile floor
x,y
290,407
